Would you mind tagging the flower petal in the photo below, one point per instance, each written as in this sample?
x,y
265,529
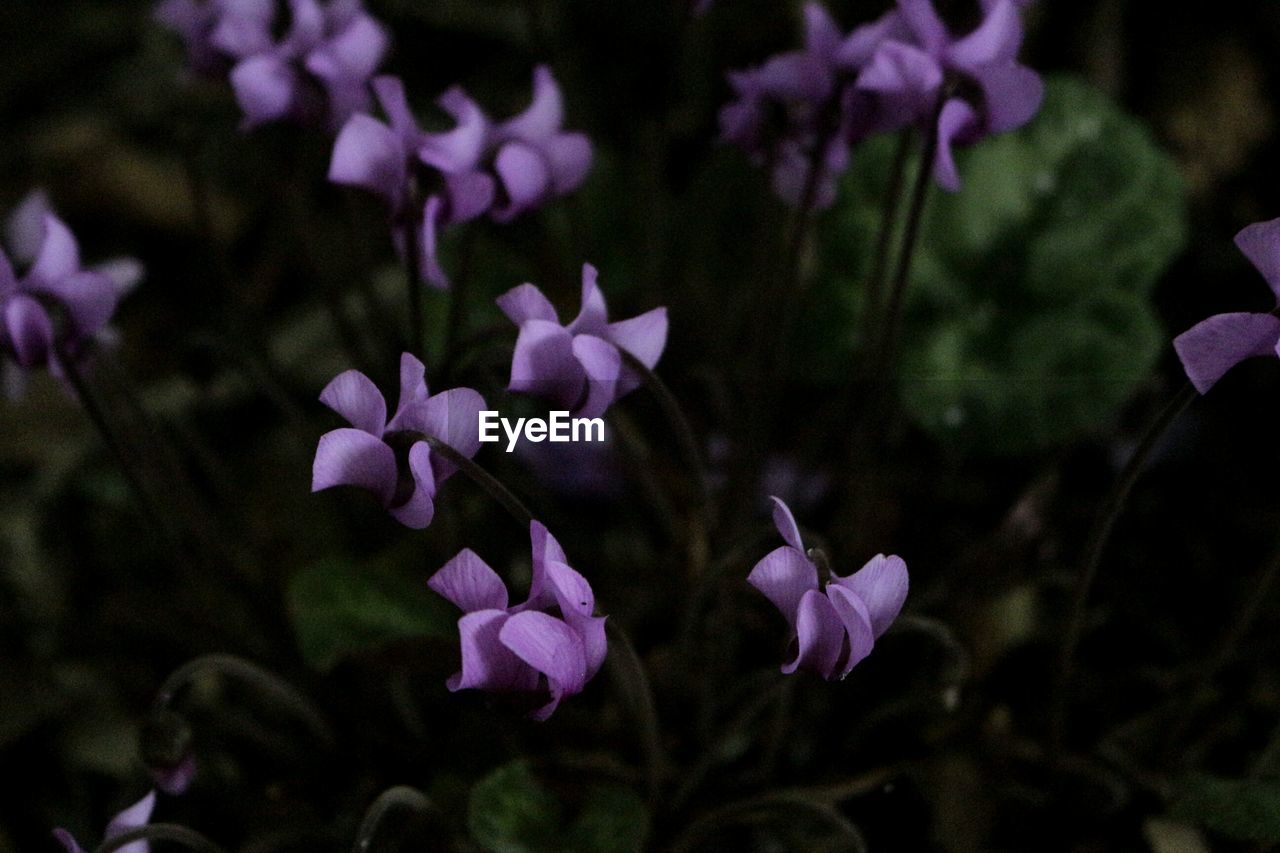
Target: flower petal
x,y
593,316
453,417
822,36
543,117
368,154
133,817
469,583
389,90
784,576
882,585
545,549
487,663
471,194
413,386
922,19
416,513
354,396
264,87
360,46
786,524
955,121
644,336
1012,95
526,302
432,221
544,364
30,331
67,840
996,39
577,605
1260,243
551,647
460,149
857,625
352,457
1212,347
820,637
89,297
603,367
25,228
570,156
525,175
58,257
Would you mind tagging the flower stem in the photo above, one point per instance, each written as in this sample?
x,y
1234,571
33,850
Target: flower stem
x,y
188,838
637,694
1098,538
483,479
413,280
401,796
884,241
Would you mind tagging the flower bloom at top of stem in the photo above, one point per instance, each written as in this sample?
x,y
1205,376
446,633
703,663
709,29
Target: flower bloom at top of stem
x,y
136,815
579,366
1212,347
317,72
835,623
433,181
51,307
552,642
390,457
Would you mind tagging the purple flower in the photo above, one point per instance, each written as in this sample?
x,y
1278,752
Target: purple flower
x,y
133,817
834,625
524,648
1213,346
391,458
578,366
217,32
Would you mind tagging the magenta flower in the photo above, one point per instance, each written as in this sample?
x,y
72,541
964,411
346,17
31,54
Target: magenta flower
x,y
133,817
391,458
578,366
1213,346
835,624
217,32
524,648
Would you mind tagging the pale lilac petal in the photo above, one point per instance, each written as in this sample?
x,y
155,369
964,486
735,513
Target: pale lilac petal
x,y
460,149
906,75
882,586
361,46
416,512
593,316
820,637
29,329
68,841
545,550
453,417
389,91
525,176
526,302
354,396
544,364
644,336
25,228
413,386
570,156
822,35
8,281
352,457
240,37
58,257
1012,95
1260,243
784,576
308,24
856,619
955,121
543,117
577,604
996,39
471,194
264,87
603,367
89,297
923,21
368,154
133,817
858,48
469,583
1212,347
432,221
487,664
125,273
796,76
551,647
786,524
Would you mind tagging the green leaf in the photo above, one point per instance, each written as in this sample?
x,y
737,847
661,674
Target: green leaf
x,y
1239,809
614,819
339,608
1028,314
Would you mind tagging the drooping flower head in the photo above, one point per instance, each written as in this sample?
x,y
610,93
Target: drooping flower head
x,y
136,815
579,366
835,623
391,457
445,179
1212,347
552,642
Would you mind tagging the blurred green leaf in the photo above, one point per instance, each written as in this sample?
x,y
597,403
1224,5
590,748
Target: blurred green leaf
x,y
1028,316
613,820
1239,809
339,608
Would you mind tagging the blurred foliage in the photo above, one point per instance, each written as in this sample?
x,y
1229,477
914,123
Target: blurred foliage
x,y
1238,809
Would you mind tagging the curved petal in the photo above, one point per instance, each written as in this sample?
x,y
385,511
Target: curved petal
x,y
526,302
860,45
354,396
1011,95
856,619
996,39
8,281
125,273
352,457
1212,347
29,330
551,647
133,817
644,336
593,316
264,86
577,605
67,840
460,149
487,663
58,257
453,417
820,637
784,576
905,75
361,46
389,90
882,586
603,367
416,512
469,583
413,387
432,221
786,524
1260,243
922,19
570,156
545,549
955,121
544,364
471,194
543,117
25,228
525,175
241,36
796,76
90,299
368,154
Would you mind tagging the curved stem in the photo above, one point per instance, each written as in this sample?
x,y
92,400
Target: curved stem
x,y
482,478
401,796
188,838
268,683
413,280
630,676
1098,538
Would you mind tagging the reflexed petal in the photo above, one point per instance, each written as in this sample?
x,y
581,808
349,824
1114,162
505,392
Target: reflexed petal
x,y
796,76
389,91
25,227
861,44
59,256
905,74
570,156
786,524
543,117
820,637
544,364
352,457
603,366
457,150
471,194
594,313
90,299
454,418
368,154
923,21
955,121
577,604
551,647
354,396
1260,243
526,302
432,216
469,583
545,550
67,841
821,34
487,664
784,576
133,817
125,273
416,513
361,46
1012,95
264,87
857,625
413,386
29,329
526,177
307,28
644,336
242,36
882,586
996,39
1212,347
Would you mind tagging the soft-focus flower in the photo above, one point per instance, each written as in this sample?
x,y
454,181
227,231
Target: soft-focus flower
x,y
1213,346
834,624
578,366
217,32
133,817
51,306
524,648
390,457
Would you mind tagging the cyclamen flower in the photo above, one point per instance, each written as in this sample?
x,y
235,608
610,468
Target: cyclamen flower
x,y
1213,346
579,366
391,458
217,32
835,624
503,169
524,648
133,817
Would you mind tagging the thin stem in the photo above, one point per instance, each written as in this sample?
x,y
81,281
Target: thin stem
x,y
413,280
884,241
482,478
1098,538
188,838
399,797
637,694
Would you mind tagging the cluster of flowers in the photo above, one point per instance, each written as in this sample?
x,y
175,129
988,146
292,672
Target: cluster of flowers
x,y
801,111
